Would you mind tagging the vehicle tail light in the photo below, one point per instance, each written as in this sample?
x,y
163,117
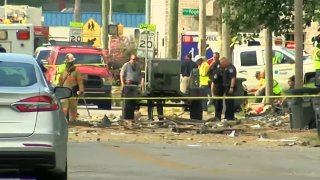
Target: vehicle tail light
x,y
290,45
278,42
36,104
23,35
187,39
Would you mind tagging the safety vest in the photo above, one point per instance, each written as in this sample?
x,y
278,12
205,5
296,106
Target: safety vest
x,y
204,76
276,60
262,82
60,71
316,58
276,88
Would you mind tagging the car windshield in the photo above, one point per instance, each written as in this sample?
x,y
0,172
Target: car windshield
x,y
15,74
82,58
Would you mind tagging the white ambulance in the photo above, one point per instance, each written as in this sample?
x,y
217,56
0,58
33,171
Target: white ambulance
x,y
17,38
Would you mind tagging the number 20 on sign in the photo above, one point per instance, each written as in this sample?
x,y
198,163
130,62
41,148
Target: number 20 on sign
x,y
146,41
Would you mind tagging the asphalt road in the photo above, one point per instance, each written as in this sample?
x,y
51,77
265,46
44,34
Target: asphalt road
x,y
100,161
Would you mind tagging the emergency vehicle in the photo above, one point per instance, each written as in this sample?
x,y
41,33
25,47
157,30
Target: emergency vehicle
x,y
21,29
17,38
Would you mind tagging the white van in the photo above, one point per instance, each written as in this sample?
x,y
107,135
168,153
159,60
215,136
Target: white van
x,y
248,60
17,38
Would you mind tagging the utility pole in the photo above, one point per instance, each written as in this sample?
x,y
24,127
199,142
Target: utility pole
x,y
226,37
202,27
147,11
269,68
110,11
220,23
77,10
298,40
173,29
105,12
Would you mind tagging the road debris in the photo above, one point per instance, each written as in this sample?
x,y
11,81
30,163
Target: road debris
x,y
233,134
272,129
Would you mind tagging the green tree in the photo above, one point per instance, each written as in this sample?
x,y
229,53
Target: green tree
x,y
276,16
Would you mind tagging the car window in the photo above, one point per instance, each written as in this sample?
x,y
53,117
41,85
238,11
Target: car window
x,y
82,58
283,59
17,74
43,54
248,58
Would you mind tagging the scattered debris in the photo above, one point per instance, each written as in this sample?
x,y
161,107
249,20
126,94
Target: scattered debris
x,y
105,122
118,134
233,134
179,128
257,126
277,140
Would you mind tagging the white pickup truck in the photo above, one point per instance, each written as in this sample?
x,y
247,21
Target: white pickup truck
x,y
249,60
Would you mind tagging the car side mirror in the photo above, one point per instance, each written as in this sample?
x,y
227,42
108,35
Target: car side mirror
x,y
62,92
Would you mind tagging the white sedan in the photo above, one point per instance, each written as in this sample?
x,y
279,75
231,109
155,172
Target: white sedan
x,y
33,128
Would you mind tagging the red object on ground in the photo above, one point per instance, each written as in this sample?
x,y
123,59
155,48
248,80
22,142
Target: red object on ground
x,y
259,110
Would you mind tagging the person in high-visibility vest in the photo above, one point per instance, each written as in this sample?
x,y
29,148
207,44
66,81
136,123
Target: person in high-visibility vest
x,y
71,78
276,88
277,58
316,52
204,79
60,69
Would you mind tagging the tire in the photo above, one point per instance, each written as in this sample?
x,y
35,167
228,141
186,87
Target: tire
x,y
128,107
49,175
196,109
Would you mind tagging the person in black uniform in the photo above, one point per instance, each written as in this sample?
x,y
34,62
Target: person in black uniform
x,y
228,83
216,85
186,68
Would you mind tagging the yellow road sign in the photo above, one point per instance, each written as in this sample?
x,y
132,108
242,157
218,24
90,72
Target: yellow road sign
x,y
92,32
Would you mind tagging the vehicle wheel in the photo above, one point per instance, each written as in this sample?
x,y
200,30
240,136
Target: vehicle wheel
x,y
196,109
128,107
48,175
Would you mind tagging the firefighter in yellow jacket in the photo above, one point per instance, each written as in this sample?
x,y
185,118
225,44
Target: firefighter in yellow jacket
x,y
71,78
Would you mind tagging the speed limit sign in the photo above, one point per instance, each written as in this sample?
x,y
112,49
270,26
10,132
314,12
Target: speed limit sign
x,y
75,34
146,44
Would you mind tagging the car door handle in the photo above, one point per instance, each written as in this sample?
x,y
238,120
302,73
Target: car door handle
x,y
243,71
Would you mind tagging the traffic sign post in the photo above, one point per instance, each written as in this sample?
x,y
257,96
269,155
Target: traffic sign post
x,y
146,44
149,27
92,32
190,12
75,33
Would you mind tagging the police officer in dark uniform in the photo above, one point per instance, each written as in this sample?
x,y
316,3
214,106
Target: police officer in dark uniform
x,y
228,83
216,85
